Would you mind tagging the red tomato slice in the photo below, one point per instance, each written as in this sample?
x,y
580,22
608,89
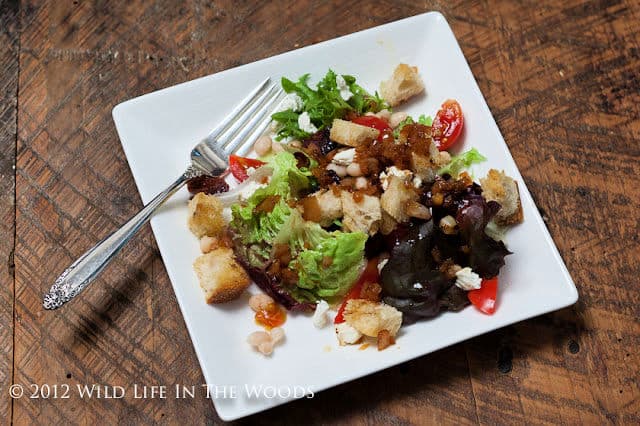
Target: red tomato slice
x,y
374,122
447,126
484,298
239,165
369,275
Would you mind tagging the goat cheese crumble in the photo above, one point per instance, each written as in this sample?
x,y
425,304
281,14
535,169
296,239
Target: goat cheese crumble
x,y
320,315
345,92
468,280
344,158
292,101
305,124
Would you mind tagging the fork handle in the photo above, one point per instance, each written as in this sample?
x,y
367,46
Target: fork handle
x,y
83,271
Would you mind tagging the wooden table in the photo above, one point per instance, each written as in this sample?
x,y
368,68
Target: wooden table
x,y
563,82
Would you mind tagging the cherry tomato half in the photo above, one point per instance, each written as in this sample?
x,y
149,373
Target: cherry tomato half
x,y
369,275
374,122
447,125
239,165
484,298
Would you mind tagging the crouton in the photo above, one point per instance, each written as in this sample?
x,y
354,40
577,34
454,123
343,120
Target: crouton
x,y
370,318
362,215
403,84
501,188
205,215
394,199
426,167
351,134
388,223
322,207
221,277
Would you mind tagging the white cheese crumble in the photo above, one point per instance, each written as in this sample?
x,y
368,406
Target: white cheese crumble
x,y
417,182
405,175
249,189
345,93
305,124
344,158
347,335
320,315
292,102
467,280
226,214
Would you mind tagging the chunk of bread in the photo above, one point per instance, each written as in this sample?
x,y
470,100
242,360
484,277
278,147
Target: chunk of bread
x,y
394,199
322,207
363,215
221,277
497,186
351,134
369,318
205,215
403,84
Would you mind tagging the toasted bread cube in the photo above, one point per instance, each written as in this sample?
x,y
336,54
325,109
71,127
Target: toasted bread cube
x,y
351,134
403,84
388,223
322,207
370,318
205,215
497,186
221,277
394,199
363,215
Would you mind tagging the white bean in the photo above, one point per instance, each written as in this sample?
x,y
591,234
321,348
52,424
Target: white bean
x,y
258,337
354,170
260,302
262,146
340,170
361,182
266,348
295,144
277,335
396,118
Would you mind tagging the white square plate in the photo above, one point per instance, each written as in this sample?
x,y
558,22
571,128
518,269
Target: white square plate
x,y
158,130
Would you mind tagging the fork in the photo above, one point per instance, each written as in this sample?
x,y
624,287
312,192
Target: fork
x,y
235,134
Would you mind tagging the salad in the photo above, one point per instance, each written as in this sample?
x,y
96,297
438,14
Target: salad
x,y
356,207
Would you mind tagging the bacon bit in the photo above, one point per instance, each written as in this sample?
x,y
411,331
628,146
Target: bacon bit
x,y
370,291
385,339
267,205
311,209
282,253
289,276
272,317
327,261
274,268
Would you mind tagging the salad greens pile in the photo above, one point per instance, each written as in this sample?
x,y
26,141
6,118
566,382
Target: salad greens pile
x,y
324,103
257,233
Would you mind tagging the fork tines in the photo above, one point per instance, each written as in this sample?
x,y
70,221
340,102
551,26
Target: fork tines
x,y
248,120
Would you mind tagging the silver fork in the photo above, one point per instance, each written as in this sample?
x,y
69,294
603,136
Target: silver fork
x,y
235,134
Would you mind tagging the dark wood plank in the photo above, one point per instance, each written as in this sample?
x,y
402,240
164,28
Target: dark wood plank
x,y
9,47
566,102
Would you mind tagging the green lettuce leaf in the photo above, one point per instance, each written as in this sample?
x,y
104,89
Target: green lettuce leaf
x,y
462,162
346,249
323,104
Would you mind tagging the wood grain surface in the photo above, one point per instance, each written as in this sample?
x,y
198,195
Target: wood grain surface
x,y
562,79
